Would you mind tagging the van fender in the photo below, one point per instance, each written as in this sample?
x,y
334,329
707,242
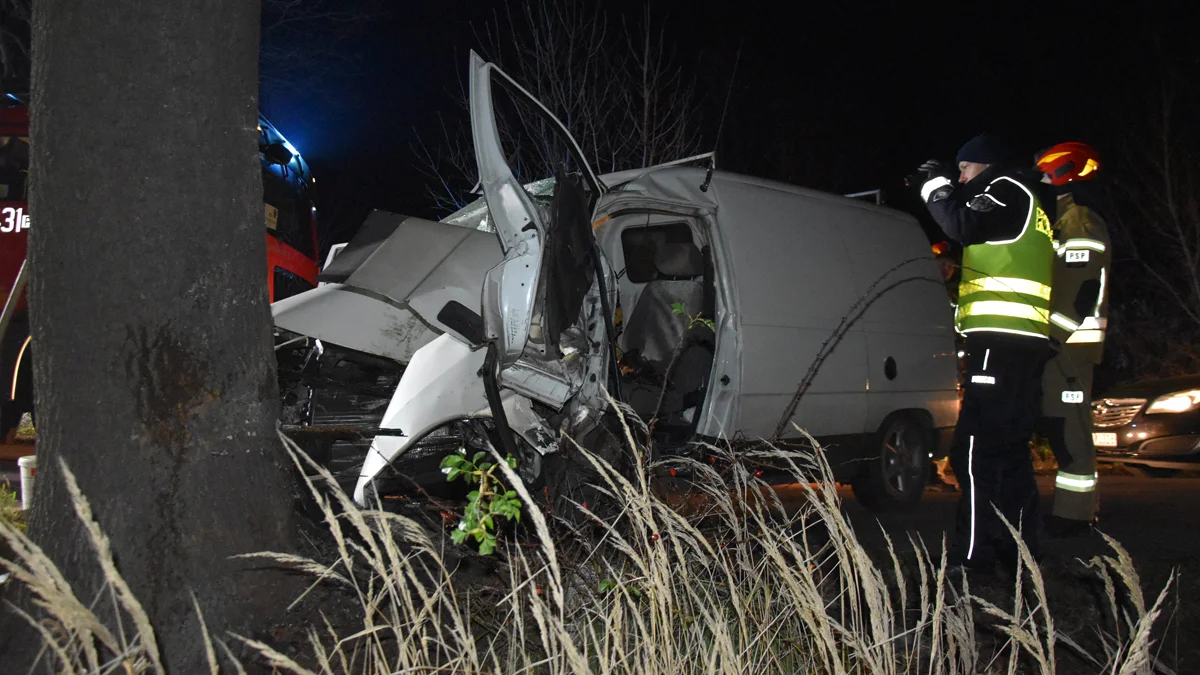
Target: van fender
x,y
441,385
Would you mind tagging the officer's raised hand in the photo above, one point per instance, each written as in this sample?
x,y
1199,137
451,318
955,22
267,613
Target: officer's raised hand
x,y
935,179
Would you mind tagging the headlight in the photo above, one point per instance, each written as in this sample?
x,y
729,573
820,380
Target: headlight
x,y
1180,401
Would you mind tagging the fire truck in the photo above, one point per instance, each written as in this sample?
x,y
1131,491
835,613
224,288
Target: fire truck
x,y
291,232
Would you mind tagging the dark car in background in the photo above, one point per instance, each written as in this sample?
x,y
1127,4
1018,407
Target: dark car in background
x,y
1153,424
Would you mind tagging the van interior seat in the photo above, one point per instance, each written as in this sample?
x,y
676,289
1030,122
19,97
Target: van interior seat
x,y
654,332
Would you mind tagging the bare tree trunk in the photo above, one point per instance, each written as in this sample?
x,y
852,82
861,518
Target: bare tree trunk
x,y
153,359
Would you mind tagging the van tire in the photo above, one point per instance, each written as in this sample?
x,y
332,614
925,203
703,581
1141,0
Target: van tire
x,y
896,473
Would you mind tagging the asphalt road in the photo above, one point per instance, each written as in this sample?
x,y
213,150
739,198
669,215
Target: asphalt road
x,y
1155,519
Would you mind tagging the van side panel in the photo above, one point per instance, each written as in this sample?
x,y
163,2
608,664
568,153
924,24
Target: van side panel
x,y
793,287
908,320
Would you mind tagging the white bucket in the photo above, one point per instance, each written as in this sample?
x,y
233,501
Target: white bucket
x,y
28,471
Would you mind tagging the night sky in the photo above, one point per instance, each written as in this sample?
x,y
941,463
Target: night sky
x,y
839,96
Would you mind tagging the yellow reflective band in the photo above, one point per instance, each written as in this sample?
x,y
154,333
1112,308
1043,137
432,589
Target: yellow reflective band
x,y
1017,310
1064,322
1090,336
1010,331
1075,482
1079,243
1005,285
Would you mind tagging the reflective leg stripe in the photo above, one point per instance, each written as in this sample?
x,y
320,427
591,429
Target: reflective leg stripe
x,y
986,355
971,477
1075,482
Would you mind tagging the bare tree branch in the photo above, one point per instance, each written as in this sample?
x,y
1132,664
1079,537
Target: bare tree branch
x,y
14,39
303,41
625,101
1157,228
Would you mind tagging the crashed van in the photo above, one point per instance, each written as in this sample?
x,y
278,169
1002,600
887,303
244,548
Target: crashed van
x,y
722,306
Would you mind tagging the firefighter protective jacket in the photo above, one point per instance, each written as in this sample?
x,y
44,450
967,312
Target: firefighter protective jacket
x,y
1008,253
1082,269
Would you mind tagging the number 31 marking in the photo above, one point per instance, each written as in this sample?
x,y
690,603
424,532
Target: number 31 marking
x,y
13,220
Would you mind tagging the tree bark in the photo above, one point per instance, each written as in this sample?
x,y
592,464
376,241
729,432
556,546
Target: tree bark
x,y
153,356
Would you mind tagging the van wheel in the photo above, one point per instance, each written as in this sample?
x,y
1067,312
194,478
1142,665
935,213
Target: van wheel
x,y
896,476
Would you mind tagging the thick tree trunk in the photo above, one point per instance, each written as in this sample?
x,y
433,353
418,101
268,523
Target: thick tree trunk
x,y
153,359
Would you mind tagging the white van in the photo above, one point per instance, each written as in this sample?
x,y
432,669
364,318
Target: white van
x,y
700,297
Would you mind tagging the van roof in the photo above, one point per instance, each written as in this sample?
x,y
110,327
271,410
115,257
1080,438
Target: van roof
x,y
683,181
686,180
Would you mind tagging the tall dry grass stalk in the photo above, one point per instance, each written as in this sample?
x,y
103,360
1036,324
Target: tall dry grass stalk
x,y
741,584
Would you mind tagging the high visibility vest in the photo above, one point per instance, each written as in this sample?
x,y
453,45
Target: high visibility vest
x,y
1005,285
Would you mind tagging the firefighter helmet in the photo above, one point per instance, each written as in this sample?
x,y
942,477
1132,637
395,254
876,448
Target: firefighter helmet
x,y
1068,162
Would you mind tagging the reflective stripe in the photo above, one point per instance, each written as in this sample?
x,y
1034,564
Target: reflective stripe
x,y
1005,285
1081,242
986,355
1010,331
971,476
17,367
1017,310
1090,331
933,184
1064,322
1075,482
1086,337
983,379
1100,297
997,202
1028,216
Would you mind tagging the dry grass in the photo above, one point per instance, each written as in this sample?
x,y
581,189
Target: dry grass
x,y
741,586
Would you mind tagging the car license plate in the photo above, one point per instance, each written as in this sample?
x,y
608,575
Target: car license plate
x,y
1104,439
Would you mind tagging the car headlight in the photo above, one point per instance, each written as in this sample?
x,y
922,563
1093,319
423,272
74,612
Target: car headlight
x,y
1180,401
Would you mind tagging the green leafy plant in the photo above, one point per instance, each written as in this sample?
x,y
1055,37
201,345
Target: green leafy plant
x,y
485,504
693,321
10,507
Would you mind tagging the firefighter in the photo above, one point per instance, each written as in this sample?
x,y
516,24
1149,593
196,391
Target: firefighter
x,y
1078,318
1003,312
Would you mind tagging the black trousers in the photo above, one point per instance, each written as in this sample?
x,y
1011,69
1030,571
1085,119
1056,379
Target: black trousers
x,y
990,454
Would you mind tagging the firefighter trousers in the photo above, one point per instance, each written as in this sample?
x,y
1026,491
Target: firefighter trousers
x,y
990,454
1066,424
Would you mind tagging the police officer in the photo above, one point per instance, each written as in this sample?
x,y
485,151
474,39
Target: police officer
x,y
1003,312
1078,305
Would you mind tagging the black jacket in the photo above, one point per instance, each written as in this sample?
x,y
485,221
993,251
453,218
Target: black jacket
x,y
995,205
